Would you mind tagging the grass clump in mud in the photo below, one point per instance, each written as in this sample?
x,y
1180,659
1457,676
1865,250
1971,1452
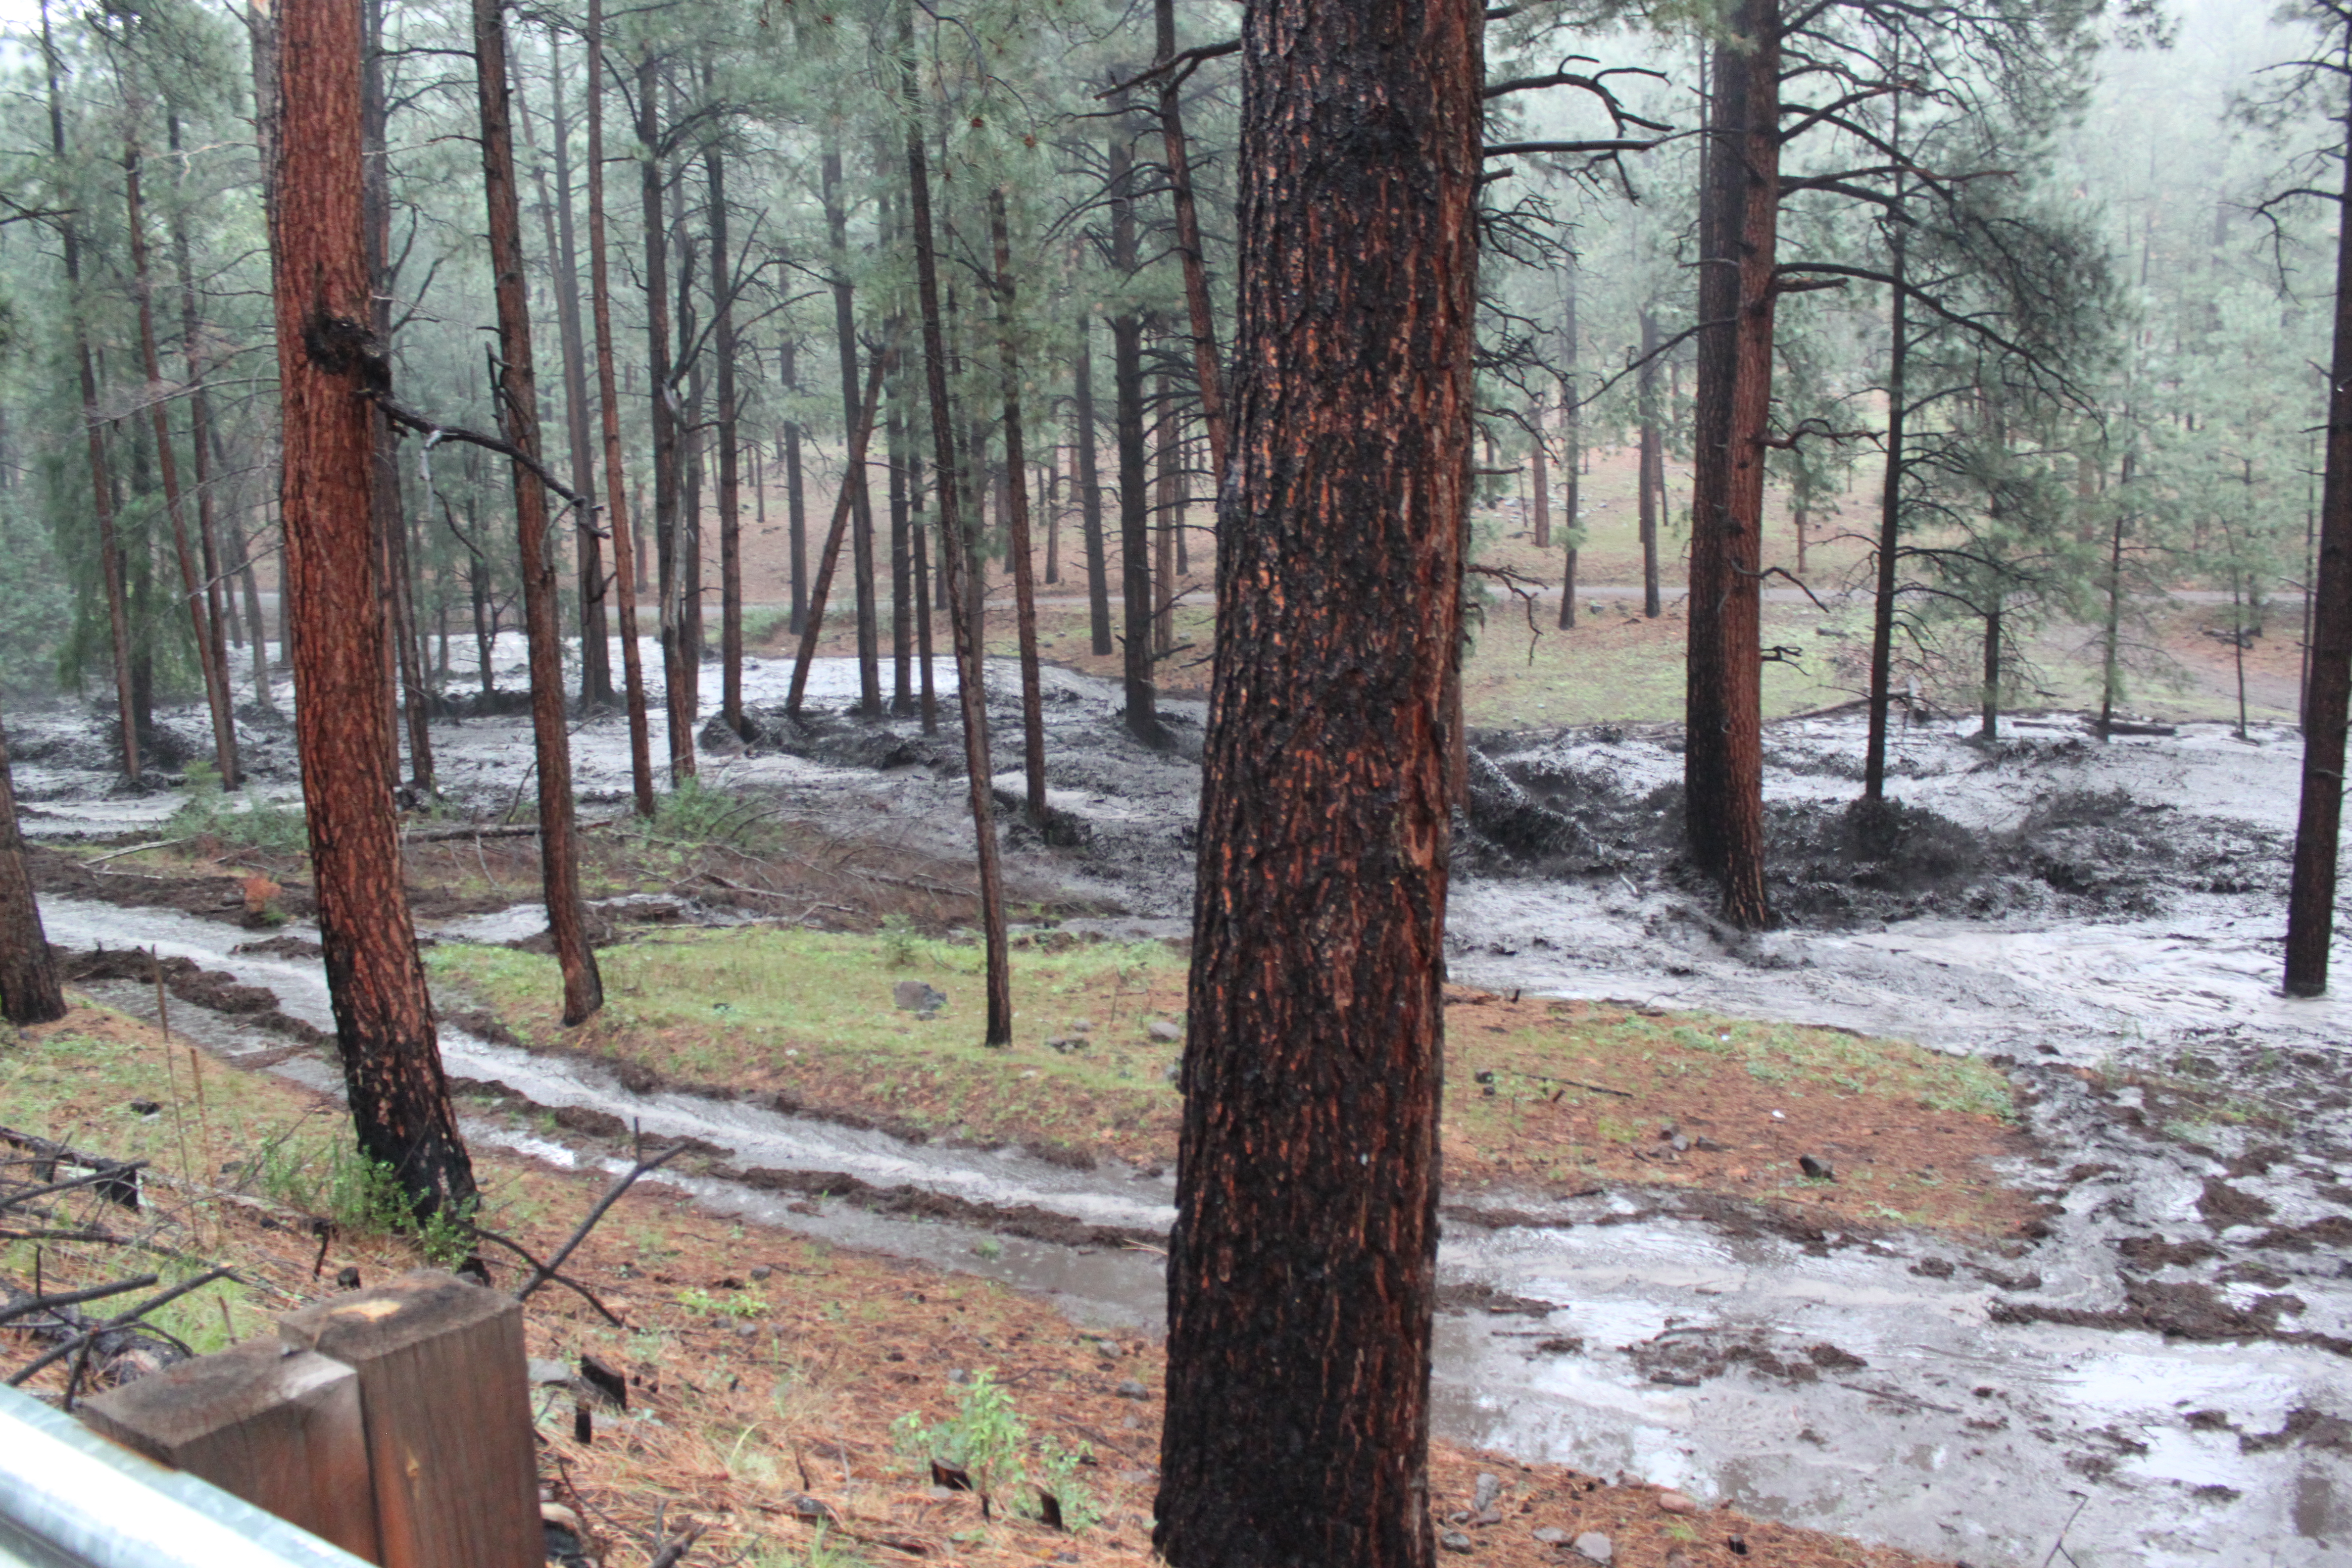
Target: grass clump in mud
x,y
815,1017
247,822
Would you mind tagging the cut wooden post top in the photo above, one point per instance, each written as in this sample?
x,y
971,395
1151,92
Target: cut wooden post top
x,y
194,1399
361,1326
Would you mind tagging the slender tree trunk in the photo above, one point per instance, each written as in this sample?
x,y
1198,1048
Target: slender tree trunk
x,y
1541,461
2111,661
595,643
1134,494
616,513
1800,516
517,398
1089,483
29,992
730,501
677,673
861,436
1053,515
1723,763
1167,450
217,604
955,563
329,361
844,327
2311,895
101,482
1302,1269
1650,464
796,510
192,582
916,527
1016,478
1189,248
902,564
376,217
1890,505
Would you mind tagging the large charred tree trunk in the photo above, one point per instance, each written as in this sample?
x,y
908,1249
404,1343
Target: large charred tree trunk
x,y
1301,1274
29,992
608,399
2311,894
1723,761
516,398
955,566
1017,517
1089,483
329,364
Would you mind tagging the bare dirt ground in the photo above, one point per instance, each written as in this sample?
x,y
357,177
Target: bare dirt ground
x,y
2153,1369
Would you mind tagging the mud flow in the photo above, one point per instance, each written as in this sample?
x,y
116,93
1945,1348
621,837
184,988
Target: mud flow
x,y
2159,1372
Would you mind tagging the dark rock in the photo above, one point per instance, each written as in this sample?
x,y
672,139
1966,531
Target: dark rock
x,y
1454,1541
1131,1389
347,1277
913,996
1817,1170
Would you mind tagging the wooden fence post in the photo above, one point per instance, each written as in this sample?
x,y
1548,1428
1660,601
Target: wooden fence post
x,y
446,1397
279,1428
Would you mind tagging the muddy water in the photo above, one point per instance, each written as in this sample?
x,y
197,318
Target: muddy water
x,y
1847,1390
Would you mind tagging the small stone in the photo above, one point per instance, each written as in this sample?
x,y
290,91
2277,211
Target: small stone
x,y
746,1332
1492,1516
1065,1044
913,996
1131,1389
548,1371
146,1108
1679,1144
1672,1502
1707,1146
1817,1170
1454,1541
1489,1488
1594,1547
1082,1025
760,1271
1162,1030
1778,1116
347,1277
1551,1535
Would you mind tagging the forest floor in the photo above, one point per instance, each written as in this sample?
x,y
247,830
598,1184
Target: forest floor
x,y
2079,1278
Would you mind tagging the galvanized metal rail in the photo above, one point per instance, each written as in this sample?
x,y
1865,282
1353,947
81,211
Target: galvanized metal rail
x,y
69,1499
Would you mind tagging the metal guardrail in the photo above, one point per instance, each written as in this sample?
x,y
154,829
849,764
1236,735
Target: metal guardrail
x,y
69,1499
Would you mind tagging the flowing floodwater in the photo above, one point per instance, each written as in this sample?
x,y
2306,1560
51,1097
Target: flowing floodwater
x,y
1895,1387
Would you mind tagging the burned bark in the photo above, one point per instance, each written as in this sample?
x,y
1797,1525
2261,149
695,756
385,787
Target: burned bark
x,y
328,367
29,992
1301,1273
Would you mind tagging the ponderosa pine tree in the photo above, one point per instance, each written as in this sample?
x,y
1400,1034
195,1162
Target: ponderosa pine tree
x,y
1302,1269
29,992
329,370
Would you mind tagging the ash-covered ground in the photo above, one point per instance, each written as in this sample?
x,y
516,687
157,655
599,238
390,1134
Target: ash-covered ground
x,y
2164,1376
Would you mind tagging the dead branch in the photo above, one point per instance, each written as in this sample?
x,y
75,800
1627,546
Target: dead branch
x,y
621,1184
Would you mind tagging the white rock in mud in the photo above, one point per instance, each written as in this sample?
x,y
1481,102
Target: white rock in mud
x,y
1594,1547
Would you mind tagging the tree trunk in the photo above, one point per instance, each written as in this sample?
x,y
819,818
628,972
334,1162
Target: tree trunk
x,y
954,564
101,482
1542,463
1053,515
616,512
1189,248
328,363
1723,763
595,644
517,399
861,436
375,197
1890,505
1650,463
669,579
1302,1269
29,992
844,327
1134,495
219,606
1166,451
730,499
1089,483
796,510
922,588
902,545
2111,661
2311,894
192,582
1016,513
